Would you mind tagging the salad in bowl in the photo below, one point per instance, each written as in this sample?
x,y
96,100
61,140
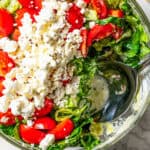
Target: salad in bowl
x,y
50,52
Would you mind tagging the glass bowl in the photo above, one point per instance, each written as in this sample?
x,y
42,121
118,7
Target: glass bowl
x,y
112,132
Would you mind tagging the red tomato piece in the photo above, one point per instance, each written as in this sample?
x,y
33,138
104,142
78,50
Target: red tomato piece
x,y
100,7
83,46
75,17
6,23
27,3
116,13
31,135
65,82
6,63
106,31
20,13
87,1
117,34
1,85
48,106
16,34
99,32
38,4
45,123
63,129
7,118
93,34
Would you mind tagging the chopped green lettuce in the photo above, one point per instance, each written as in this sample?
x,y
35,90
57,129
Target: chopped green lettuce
x,y
117,21
85,69
11,130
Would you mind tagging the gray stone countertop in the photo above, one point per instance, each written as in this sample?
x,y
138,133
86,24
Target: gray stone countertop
x,y
138,138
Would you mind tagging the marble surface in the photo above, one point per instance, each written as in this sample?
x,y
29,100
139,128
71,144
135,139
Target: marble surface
x,y
138,138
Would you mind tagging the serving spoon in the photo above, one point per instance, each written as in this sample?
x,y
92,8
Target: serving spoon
x,y
122,81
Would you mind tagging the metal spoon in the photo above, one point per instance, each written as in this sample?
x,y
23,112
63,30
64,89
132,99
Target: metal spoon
x,y
122,81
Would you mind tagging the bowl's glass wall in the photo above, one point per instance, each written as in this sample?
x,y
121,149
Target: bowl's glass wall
x,y
117,129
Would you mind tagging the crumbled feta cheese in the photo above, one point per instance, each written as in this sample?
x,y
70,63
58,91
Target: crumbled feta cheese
x,y
4,119
72,88
48,140
44,50
4,104
23,106
91,24
8,45
30,123
80,3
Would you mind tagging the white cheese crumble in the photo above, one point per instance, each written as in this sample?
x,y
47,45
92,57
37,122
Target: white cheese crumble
x,y
30,123
42,54
91,24
81,4
8,45
4,119
47,141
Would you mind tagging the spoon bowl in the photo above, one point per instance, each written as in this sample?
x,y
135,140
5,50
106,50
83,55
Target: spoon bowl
x,y
122,81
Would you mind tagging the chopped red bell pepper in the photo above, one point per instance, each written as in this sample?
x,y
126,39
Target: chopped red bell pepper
x,y
38,4
87,1
99,32
6,23
1,85
16,34
106,31
27,3
100,7
20,13
116,13
83,46
6,63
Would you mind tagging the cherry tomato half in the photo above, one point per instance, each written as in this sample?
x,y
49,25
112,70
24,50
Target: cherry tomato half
x,y
63,129
31,135
48,106
45,123
7,118
74,17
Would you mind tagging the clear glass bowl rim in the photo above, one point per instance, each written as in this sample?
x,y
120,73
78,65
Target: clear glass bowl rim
x,y
137,8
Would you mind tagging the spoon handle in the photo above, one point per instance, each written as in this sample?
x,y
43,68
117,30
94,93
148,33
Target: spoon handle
x,y
144,64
